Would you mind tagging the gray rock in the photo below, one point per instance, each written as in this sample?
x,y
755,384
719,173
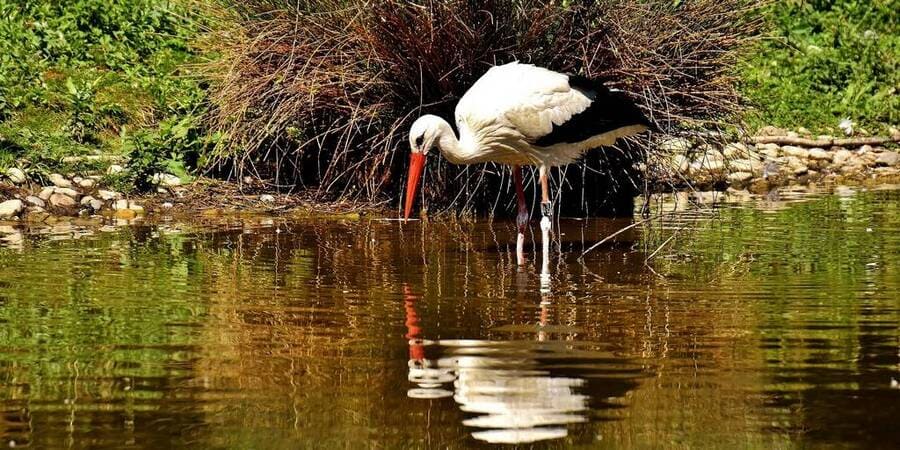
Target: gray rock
x,y
769,130
745,165
35,201
45,193
16,175
108,195
675,145
840,157
736,150
820,154
266,198
62,200
681,163
888,159
96,204
87,183
67,191
60,181
166,179
130,205
796,165
798,152
86,200
11,208
769,150
739,178
865,149
167,205
114,169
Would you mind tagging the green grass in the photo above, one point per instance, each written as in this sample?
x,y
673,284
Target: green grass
x,y
97,76
828,59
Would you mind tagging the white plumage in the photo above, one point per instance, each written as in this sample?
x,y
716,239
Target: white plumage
x,y
503,115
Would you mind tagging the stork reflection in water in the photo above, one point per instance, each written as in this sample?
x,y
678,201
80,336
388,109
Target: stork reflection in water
x,y
515,401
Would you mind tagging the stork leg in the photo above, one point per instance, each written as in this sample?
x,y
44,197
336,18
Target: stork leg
x,y
546,206
522,217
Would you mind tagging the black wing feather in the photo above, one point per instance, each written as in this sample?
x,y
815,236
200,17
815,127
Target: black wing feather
x,y
608,111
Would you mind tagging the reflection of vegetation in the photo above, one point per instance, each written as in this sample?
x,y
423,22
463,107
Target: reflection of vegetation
x,y
300,332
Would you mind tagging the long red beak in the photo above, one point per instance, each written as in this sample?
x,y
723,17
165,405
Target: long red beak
x,y
416,164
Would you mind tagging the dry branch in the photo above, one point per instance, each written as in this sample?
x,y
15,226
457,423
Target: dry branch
x,y
319,94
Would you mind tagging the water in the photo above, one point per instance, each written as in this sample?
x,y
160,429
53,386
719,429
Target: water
x,y
768,324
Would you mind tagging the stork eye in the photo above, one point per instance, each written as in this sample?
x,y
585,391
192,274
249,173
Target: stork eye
x,y
419,141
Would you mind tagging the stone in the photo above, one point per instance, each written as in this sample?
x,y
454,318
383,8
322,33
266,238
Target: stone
x,y
266,198
888,159
840,157
77,179
45,193
745,165
792,134
86,200
797,166
11,208
60,181
798,152
820,154
166,179
804,131
129,205
96,204
739,178
35,201
681,163
771,131
67,191
675,145
114,169
167,205
865,149
108,195
769,150
16,175
736,150
62,200
87,183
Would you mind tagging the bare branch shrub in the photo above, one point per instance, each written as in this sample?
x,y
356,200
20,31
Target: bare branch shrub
x,y
318,95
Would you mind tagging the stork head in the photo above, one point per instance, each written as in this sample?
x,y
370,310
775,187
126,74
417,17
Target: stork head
x,y
424,134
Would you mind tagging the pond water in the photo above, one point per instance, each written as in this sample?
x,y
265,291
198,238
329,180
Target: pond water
x,y
772,323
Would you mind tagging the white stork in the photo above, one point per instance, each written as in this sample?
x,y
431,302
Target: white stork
x,y
520,114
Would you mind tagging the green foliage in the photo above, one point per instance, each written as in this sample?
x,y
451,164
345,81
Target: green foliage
x,y
96,76
829,59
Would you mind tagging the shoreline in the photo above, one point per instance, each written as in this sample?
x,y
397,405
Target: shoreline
x,y
680,165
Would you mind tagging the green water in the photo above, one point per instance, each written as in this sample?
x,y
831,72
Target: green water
x,y
768,324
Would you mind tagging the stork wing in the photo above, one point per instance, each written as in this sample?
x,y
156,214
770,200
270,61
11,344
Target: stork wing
x,y
548,108
530,100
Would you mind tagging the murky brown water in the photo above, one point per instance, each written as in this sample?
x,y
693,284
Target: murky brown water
x,y
768,324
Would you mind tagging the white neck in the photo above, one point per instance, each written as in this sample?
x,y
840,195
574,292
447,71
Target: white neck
x,y
452,149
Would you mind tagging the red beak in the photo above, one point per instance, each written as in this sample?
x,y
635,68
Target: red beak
x,y
416,164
